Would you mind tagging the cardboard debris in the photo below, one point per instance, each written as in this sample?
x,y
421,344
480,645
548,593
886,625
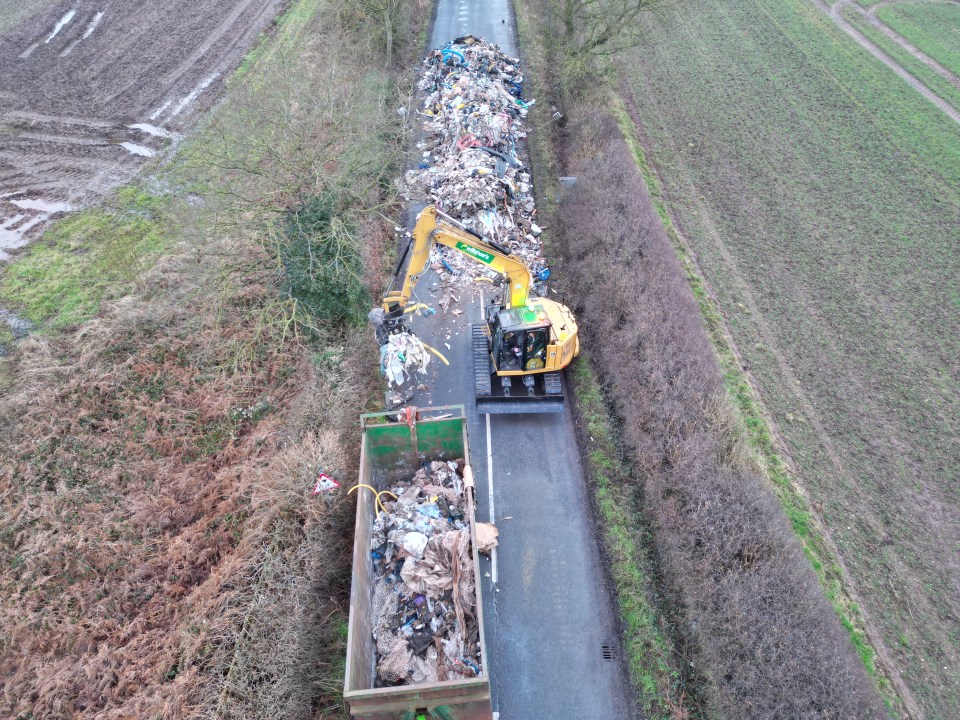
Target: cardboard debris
x,y
424,617
474,110
487,534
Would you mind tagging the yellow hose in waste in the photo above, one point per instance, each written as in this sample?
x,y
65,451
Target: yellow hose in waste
x,y
437,353
375,493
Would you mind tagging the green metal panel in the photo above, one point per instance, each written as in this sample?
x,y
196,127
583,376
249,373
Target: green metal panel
x,y
395,448
390,447
440,439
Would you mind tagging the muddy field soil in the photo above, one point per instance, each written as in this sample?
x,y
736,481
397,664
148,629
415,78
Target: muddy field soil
x,y
91,89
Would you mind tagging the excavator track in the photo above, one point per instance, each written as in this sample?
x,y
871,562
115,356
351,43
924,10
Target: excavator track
x,y
481,362
548,387
552,384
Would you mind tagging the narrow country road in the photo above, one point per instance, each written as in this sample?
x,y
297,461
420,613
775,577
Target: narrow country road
x,y
490,19
548,609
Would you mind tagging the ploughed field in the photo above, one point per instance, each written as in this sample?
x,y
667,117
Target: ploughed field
x,y
821,195
91,89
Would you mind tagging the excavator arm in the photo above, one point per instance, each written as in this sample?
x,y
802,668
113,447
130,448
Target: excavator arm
x,y
430,231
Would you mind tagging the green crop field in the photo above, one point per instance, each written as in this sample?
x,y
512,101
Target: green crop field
x,y
821,195
933,27
920,70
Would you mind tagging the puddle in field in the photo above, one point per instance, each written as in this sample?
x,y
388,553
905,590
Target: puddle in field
x,y
159,111
15,231
47,206
64,21
141,150
92,26
151,130
18,326
195,93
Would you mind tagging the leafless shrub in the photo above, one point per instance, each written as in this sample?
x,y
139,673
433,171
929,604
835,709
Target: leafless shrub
x,y
763,641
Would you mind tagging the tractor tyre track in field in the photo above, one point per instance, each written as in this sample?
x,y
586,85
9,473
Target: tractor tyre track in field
x,y
870,16
834,13
872,10
884,660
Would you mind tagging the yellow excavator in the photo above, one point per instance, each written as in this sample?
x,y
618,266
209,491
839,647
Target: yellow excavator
x,y
523,338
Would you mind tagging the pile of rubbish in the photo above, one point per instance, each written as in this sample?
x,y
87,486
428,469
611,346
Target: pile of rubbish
x,y
424,616
474,113
401,355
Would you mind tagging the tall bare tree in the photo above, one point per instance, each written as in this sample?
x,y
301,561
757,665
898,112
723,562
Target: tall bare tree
x,y
599,28
384,18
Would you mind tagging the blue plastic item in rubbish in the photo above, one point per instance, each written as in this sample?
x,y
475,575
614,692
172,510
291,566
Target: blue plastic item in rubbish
x,y
446,53
430,511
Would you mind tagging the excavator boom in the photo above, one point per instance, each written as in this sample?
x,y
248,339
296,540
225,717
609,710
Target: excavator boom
x,y
430,231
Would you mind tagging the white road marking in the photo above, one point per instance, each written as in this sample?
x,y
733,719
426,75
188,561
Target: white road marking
x,y
493,553
64,21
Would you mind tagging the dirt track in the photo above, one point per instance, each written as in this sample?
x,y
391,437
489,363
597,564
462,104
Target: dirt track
x,y
835,12
93,88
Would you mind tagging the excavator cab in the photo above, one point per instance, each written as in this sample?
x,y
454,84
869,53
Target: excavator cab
x,y
516,347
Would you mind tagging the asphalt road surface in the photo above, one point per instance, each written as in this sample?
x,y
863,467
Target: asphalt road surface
x,y
547,606
489,19
548,609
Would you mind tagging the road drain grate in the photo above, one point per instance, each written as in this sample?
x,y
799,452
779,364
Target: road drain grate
x,y
608,653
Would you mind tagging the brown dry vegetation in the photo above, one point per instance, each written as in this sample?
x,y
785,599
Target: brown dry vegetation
x,y
162,555
759,637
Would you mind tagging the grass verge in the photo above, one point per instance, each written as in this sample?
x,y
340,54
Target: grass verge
x,y
654,669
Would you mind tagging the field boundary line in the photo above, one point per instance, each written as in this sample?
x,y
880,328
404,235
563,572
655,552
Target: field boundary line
x,y
772,458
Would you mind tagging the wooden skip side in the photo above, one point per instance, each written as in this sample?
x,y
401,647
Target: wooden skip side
x,y
391,451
